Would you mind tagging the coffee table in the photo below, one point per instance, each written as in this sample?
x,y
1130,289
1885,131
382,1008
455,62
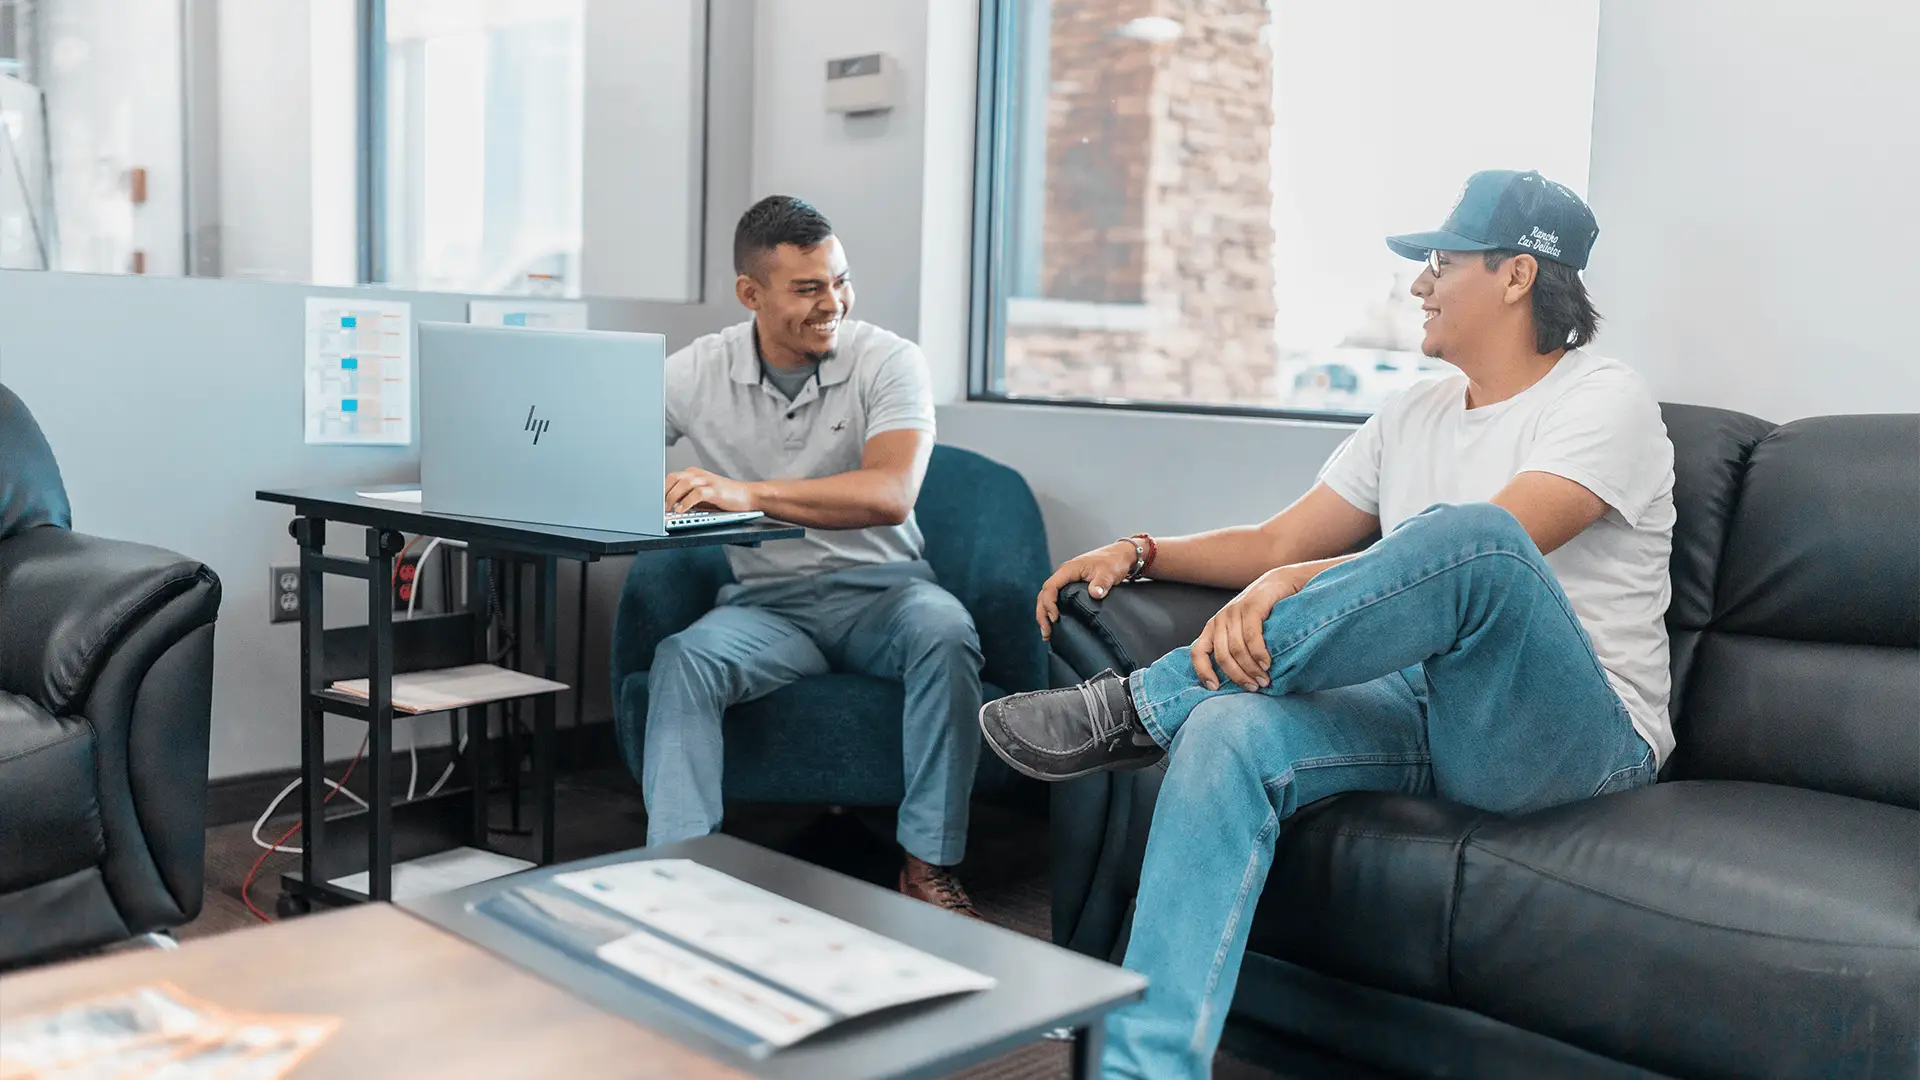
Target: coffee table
x,y
414,1001
1039,987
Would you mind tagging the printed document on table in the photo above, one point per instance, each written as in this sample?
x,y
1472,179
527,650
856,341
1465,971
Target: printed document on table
x,y
359,371
809,954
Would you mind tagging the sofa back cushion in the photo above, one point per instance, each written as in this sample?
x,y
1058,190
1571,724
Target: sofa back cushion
x,y
1710,452
1807,670
31,494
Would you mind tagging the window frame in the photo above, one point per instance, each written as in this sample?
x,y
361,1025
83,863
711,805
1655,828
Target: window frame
x,y
370,177
997,125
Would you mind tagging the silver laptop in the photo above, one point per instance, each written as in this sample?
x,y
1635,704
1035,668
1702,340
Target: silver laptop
x,y
553,427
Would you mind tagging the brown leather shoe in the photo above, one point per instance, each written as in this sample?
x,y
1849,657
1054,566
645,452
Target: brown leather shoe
x,y
936,885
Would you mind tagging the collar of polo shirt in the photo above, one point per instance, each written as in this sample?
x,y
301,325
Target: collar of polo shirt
x,y
745,367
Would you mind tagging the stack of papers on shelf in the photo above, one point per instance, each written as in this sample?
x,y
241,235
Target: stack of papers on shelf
x,y
753,967
399,495
454,687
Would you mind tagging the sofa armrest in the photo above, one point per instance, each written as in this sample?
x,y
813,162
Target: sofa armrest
x,y
67,599
1136,624
122,635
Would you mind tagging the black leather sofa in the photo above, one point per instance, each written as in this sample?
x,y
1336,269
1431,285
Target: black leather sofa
x,y
106,682
1756,913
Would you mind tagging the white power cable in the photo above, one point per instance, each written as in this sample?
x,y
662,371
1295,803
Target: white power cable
x,y
275,805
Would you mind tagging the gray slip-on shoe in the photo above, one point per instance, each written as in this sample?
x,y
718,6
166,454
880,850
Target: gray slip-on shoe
x,y
1069,732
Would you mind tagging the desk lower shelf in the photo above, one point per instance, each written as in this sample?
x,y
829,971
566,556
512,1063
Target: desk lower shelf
x,y
437,690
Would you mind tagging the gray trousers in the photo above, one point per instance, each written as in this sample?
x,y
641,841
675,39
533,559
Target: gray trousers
x,y
894,622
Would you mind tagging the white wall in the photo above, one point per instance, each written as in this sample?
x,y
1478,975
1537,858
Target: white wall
x,y
641,170
1754,171
865,173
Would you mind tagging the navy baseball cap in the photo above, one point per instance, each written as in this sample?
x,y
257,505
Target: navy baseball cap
x,y
1503,210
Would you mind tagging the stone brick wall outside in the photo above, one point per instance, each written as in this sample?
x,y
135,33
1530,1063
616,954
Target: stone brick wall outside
x,y
1187,127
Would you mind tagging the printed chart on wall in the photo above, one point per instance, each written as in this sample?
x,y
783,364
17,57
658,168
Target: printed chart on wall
x,y
545,314
359,371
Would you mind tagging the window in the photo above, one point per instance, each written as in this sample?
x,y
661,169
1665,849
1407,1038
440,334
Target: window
x,y
483,147
1187,208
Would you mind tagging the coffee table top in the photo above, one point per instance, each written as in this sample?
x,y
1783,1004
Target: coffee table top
x,y
1040,987
415,1001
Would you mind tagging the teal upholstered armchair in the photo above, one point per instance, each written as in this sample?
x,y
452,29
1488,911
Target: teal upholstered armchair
x,y
835,739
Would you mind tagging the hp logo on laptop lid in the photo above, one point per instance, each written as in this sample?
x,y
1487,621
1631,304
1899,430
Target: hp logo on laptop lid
x,y
538,427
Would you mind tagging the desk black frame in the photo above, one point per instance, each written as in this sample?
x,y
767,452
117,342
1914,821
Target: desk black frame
x,y
457,817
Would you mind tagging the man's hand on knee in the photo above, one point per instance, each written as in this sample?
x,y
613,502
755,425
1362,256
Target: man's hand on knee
x,y
1234,642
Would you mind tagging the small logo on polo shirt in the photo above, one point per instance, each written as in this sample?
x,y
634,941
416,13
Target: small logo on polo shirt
x,y
538,427
1542,241
838,426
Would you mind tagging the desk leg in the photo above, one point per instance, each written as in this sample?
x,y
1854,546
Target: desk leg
x,y
312,536
510,710
1088,1044
579,669
544,706
474,718
382,546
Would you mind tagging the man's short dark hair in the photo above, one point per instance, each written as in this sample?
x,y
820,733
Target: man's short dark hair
x,y
775,220
1563,313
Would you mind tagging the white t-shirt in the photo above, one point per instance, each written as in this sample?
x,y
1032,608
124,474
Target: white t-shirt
x,y
1591,420
743,428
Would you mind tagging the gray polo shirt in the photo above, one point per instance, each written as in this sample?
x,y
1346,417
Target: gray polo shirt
x,y
743,428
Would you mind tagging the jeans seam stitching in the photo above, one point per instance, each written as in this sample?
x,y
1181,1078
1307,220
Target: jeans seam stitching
x,y
1644,761
1267,832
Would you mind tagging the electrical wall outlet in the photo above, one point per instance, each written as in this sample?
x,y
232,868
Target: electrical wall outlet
x,y
283,594
406,578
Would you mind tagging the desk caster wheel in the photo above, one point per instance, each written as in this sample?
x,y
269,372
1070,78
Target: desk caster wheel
x,y
290,906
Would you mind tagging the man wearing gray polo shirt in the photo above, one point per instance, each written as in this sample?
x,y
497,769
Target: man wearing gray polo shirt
x,y
827,423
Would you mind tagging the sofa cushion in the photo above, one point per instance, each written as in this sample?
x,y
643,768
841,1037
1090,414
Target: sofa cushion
x,y
1701,929
1815,715
1362,888
828,739
49,815
1710,450
1821,546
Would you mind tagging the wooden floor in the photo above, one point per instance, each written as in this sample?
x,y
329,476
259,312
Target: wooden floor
x,y
1006,872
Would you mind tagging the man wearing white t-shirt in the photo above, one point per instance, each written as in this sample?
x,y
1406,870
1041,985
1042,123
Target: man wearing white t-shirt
x,y
1503,645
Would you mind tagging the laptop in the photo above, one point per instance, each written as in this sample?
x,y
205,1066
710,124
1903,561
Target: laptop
x,y
549,427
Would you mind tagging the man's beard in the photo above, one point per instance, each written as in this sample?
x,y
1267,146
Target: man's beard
x,y
822,357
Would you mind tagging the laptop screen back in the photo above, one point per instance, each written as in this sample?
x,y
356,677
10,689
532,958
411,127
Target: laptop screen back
x,y
555,427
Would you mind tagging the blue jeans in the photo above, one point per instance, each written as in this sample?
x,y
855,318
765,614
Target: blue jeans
x,y
892,621
1445,661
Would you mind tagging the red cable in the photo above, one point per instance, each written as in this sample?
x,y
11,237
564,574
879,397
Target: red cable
x,y
246,885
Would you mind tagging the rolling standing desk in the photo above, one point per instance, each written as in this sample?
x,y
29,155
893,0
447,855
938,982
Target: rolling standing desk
x,y
385,646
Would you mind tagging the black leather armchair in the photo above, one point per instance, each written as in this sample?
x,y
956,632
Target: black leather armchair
x,y
106,682
1756,913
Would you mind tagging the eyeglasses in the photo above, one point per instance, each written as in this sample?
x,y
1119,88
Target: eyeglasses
x,y
1433,262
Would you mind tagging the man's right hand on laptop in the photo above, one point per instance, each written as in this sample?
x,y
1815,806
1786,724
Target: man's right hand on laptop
x,y
698,489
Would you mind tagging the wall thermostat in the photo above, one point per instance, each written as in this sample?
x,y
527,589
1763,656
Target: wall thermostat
x,y
862,84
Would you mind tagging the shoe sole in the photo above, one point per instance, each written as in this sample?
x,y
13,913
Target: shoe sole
x,y
1024,769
